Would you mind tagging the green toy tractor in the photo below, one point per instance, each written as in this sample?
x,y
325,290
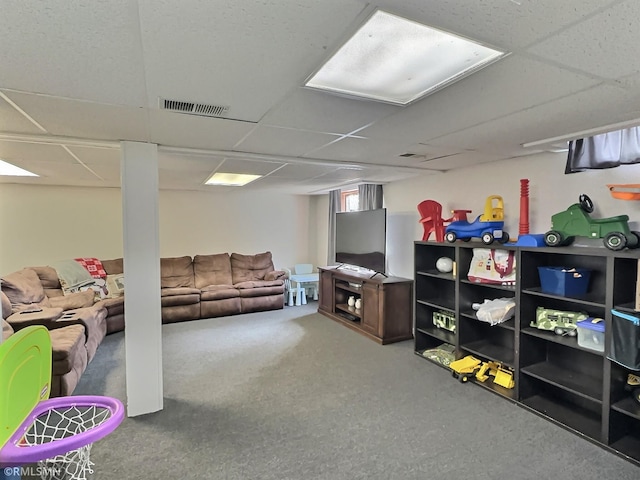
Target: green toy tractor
x,y
575,221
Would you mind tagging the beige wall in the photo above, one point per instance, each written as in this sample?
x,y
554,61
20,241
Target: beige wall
x,y
42,224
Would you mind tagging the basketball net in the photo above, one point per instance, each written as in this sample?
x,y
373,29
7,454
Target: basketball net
x,y
63,422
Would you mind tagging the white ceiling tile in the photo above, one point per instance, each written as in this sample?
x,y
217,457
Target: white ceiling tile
x,y
20,153
506,23
249,167
360,149
294,171
283,141
89,50
183,130
97,156
602,44
191,163
75,118
323,112
11,120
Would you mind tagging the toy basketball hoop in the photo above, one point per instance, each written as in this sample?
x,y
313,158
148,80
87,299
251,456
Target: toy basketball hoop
x,y
56,433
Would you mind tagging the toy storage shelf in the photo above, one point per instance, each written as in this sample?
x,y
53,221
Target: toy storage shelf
x,y
555,377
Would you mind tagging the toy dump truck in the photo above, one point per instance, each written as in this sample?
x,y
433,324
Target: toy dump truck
x,y
465,368
558,321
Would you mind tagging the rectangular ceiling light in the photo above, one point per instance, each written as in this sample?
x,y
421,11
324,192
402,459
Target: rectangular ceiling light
x,y
395,60
11,170
231,179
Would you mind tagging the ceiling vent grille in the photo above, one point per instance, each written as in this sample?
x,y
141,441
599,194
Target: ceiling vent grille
x,y
191,108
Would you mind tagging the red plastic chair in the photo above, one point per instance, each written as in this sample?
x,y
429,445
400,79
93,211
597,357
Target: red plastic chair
x,y
431,219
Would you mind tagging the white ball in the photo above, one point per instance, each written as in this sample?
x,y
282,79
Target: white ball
x,y
444,265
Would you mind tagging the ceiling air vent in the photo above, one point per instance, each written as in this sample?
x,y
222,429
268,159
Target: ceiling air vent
x,y
191,108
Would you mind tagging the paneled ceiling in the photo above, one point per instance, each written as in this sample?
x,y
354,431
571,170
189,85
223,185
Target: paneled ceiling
x,y
77,77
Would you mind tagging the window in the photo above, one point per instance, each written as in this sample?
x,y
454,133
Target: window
x,y
349,201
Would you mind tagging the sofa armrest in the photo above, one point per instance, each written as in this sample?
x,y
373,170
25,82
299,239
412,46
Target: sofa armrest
x,y
46,317
275,275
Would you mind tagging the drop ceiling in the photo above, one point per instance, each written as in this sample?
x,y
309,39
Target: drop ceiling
x,y
78,77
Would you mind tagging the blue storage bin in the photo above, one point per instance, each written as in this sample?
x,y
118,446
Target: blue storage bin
x,y
564,281
591,333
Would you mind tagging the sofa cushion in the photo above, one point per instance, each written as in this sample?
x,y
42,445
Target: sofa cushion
x,y
218,292
176,272
48,277
113,267
73,300
180,300
212,270
170,292
246,268
23,288
67,345
262,291
258,284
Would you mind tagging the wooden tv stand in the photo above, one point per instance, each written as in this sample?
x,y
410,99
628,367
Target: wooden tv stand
x,y
386,314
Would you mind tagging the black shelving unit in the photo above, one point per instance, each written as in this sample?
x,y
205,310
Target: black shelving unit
x,y
575,387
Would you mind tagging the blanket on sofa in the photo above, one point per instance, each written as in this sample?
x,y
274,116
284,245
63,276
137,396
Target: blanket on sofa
x,y
76,278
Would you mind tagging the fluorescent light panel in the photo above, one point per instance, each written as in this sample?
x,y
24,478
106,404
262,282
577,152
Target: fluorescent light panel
x,y
395,60
231,179
13,171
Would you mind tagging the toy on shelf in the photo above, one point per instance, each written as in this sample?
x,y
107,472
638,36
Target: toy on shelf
x,y
488,226
502,376
445,320
465,368
558,321
431,219
576,222
526,239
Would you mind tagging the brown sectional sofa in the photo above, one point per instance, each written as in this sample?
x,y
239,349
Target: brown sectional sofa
x,y
208,286
205,286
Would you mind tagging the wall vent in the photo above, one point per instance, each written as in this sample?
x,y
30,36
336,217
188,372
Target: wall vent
x,y
192,108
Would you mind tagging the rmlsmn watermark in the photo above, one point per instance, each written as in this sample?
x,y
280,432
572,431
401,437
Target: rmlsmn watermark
x,y
31,471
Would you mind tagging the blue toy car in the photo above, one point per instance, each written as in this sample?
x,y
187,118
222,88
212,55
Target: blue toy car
x,y
488,226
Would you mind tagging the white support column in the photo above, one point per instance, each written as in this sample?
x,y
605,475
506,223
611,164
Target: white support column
x,y
143,330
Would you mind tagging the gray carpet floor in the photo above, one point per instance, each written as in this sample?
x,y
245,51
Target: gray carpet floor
x,y
290,394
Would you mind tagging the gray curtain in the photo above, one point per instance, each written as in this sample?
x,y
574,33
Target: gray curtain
x,y
604,151
370,196
334,207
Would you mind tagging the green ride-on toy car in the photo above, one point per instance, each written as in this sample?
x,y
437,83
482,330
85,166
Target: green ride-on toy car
x,y
575,221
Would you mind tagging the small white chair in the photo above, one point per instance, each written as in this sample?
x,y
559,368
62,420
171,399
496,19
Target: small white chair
x,y
310,287
298,291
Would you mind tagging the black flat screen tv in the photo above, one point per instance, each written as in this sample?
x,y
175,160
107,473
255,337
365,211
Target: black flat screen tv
x,y
361,239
